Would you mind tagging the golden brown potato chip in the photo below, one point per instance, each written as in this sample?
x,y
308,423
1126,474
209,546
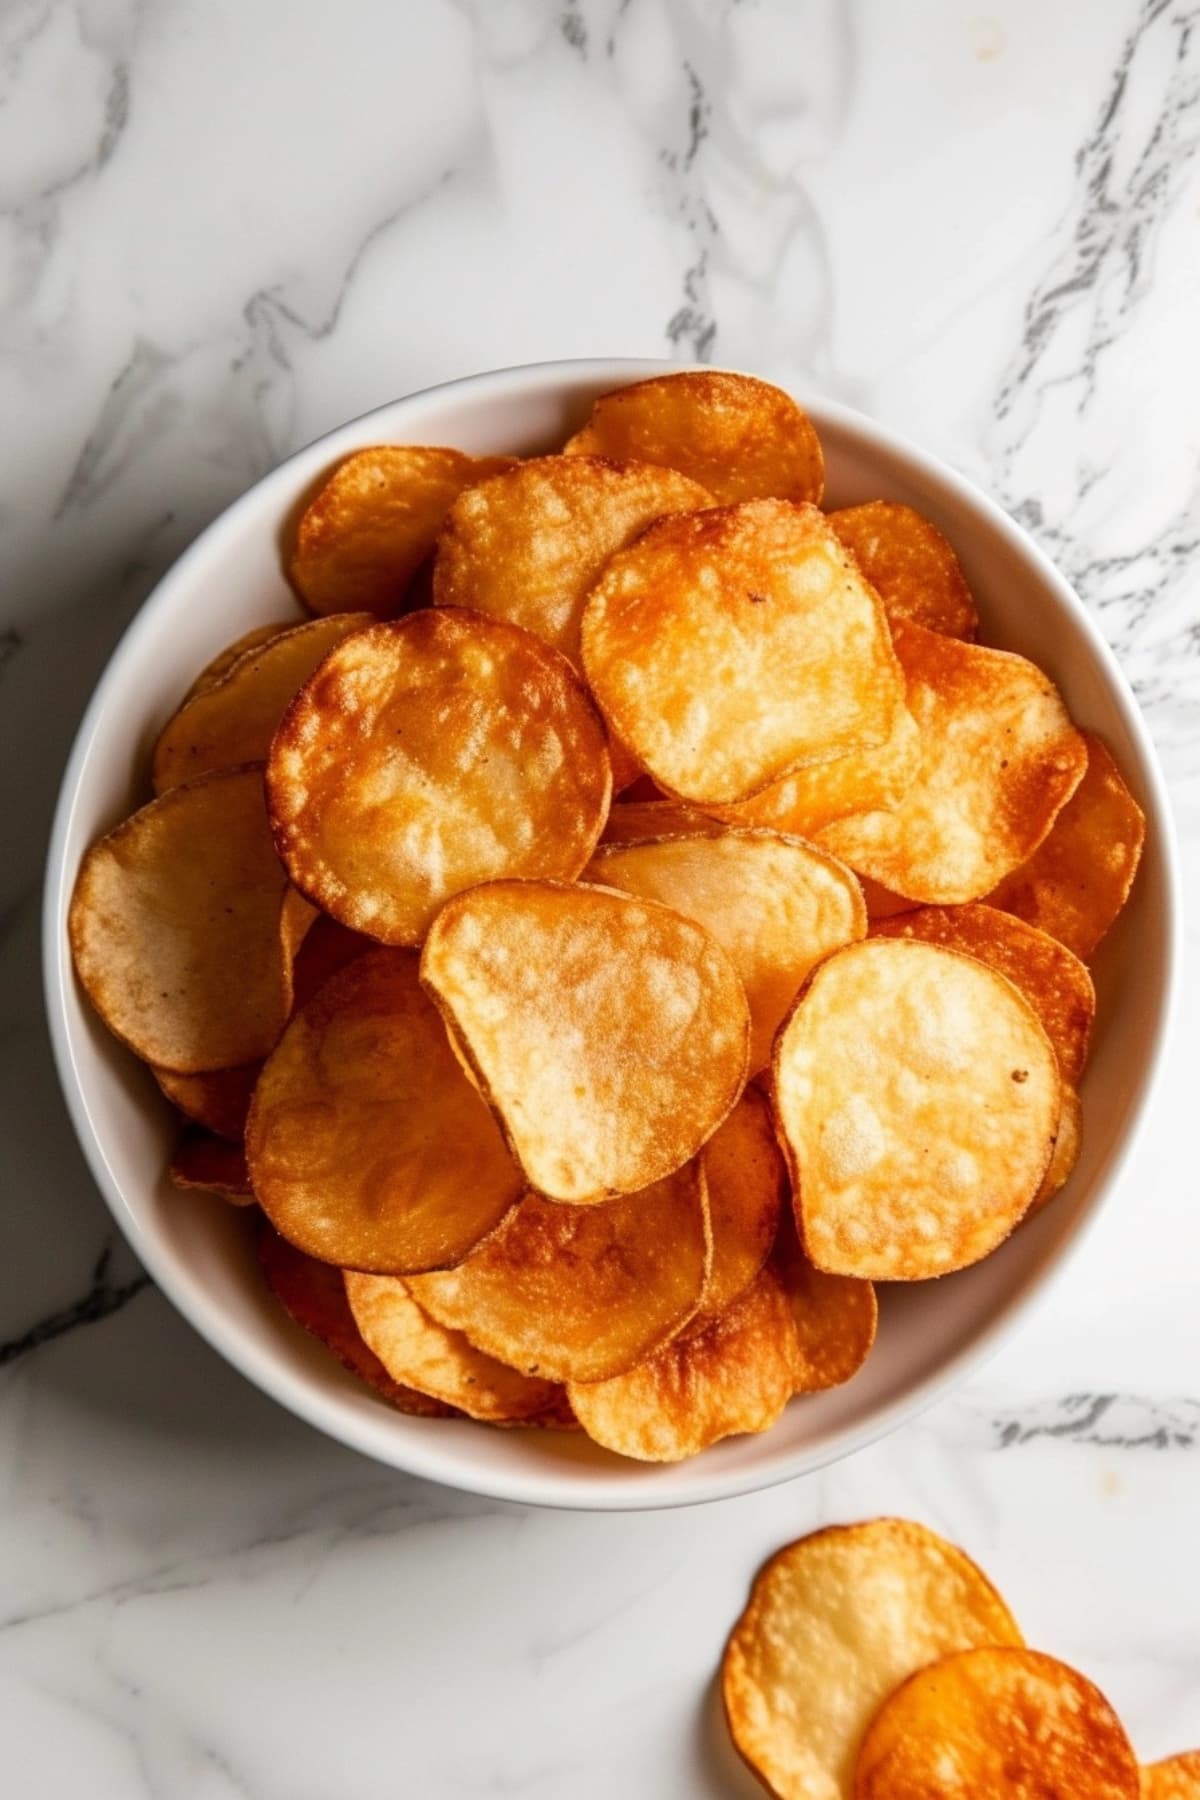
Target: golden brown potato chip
x,y
609,1034
327,947
775,905
1068,1140
1079,877
836,1317
367,1145
528,545
1000,757
232,720
729,647
865,781
911,566
740,438
732,1375
218,1100
428,755
579,1293
1001,1721
314,1295
833,1624
641,821
747,1182
176,927
1055,983
1178,1778
363,537
212,1164
917,1095
223,661
881,902
419,1353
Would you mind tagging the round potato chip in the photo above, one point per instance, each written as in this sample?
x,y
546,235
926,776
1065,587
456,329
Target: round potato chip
x,y
641,821
917,1096
911,566
528,545
836,1317
212,1165
419,1353
731,646
1068,1140
428,755
609,1034
223,661
367,1145
314,1295
362,538
232,720
218,1100
1177,1778
776,905
1055,983
579,1293
733,1375
1000,758
747,1181
1079,877
996,1720
833,1624
176,927
739,437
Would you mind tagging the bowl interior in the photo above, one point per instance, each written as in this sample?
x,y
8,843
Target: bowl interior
x,y
199,1250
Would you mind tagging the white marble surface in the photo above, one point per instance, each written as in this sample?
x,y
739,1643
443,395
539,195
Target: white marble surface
x,y
224,226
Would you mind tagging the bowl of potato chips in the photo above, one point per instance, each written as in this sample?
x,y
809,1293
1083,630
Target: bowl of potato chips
x,y
606,932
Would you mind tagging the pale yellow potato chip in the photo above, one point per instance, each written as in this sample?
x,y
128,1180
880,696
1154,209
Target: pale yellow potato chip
x,y
747,1186
917,1097
909,563
834,1623
223,661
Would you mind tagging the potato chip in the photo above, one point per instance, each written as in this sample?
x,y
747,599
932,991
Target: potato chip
x,y
1068,1140
1079,877
1000,759
1055,983
213,1165
865,781
528,545
911,566
362,538
740,438
176,927
733,1375
996,1720
1178,1778
609,1034
223,661
917,1095
367,1145
729,647
836,1317
327,947
218,1100
579,1293
233,720
833,1624
314,1295
419,1353
777,906
747,1182
881,903
428,755
641,821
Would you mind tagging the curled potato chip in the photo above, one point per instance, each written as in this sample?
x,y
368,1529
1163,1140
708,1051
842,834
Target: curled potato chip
x,y
419,1353
732,1375
367,1145
833,1624
739,437
213,1165
996,1720
836,1317
731,646
1068,1140
1000,757
314,1295
176,927
1079,877
917,1095
223,661
864,781
881,903
579,1293
911,566
775,905
232,720
1176,1778
364,535
747,1180
218,1100
430,754
1055,983
609,1034
640,821
527,545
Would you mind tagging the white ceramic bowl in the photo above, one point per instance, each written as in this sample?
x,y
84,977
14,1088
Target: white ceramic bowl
x,y
198,1250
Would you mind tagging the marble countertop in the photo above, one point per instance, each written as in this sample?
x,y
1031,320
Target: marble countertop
x,y
223,228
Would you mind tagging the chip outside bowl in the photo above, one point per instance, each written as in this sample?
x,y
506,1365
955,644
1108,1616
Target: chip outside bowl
x,y
201,1253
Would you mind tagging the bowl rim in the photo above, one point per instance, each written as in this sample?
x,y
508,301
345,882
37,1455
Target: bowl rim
x,y
600,1491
